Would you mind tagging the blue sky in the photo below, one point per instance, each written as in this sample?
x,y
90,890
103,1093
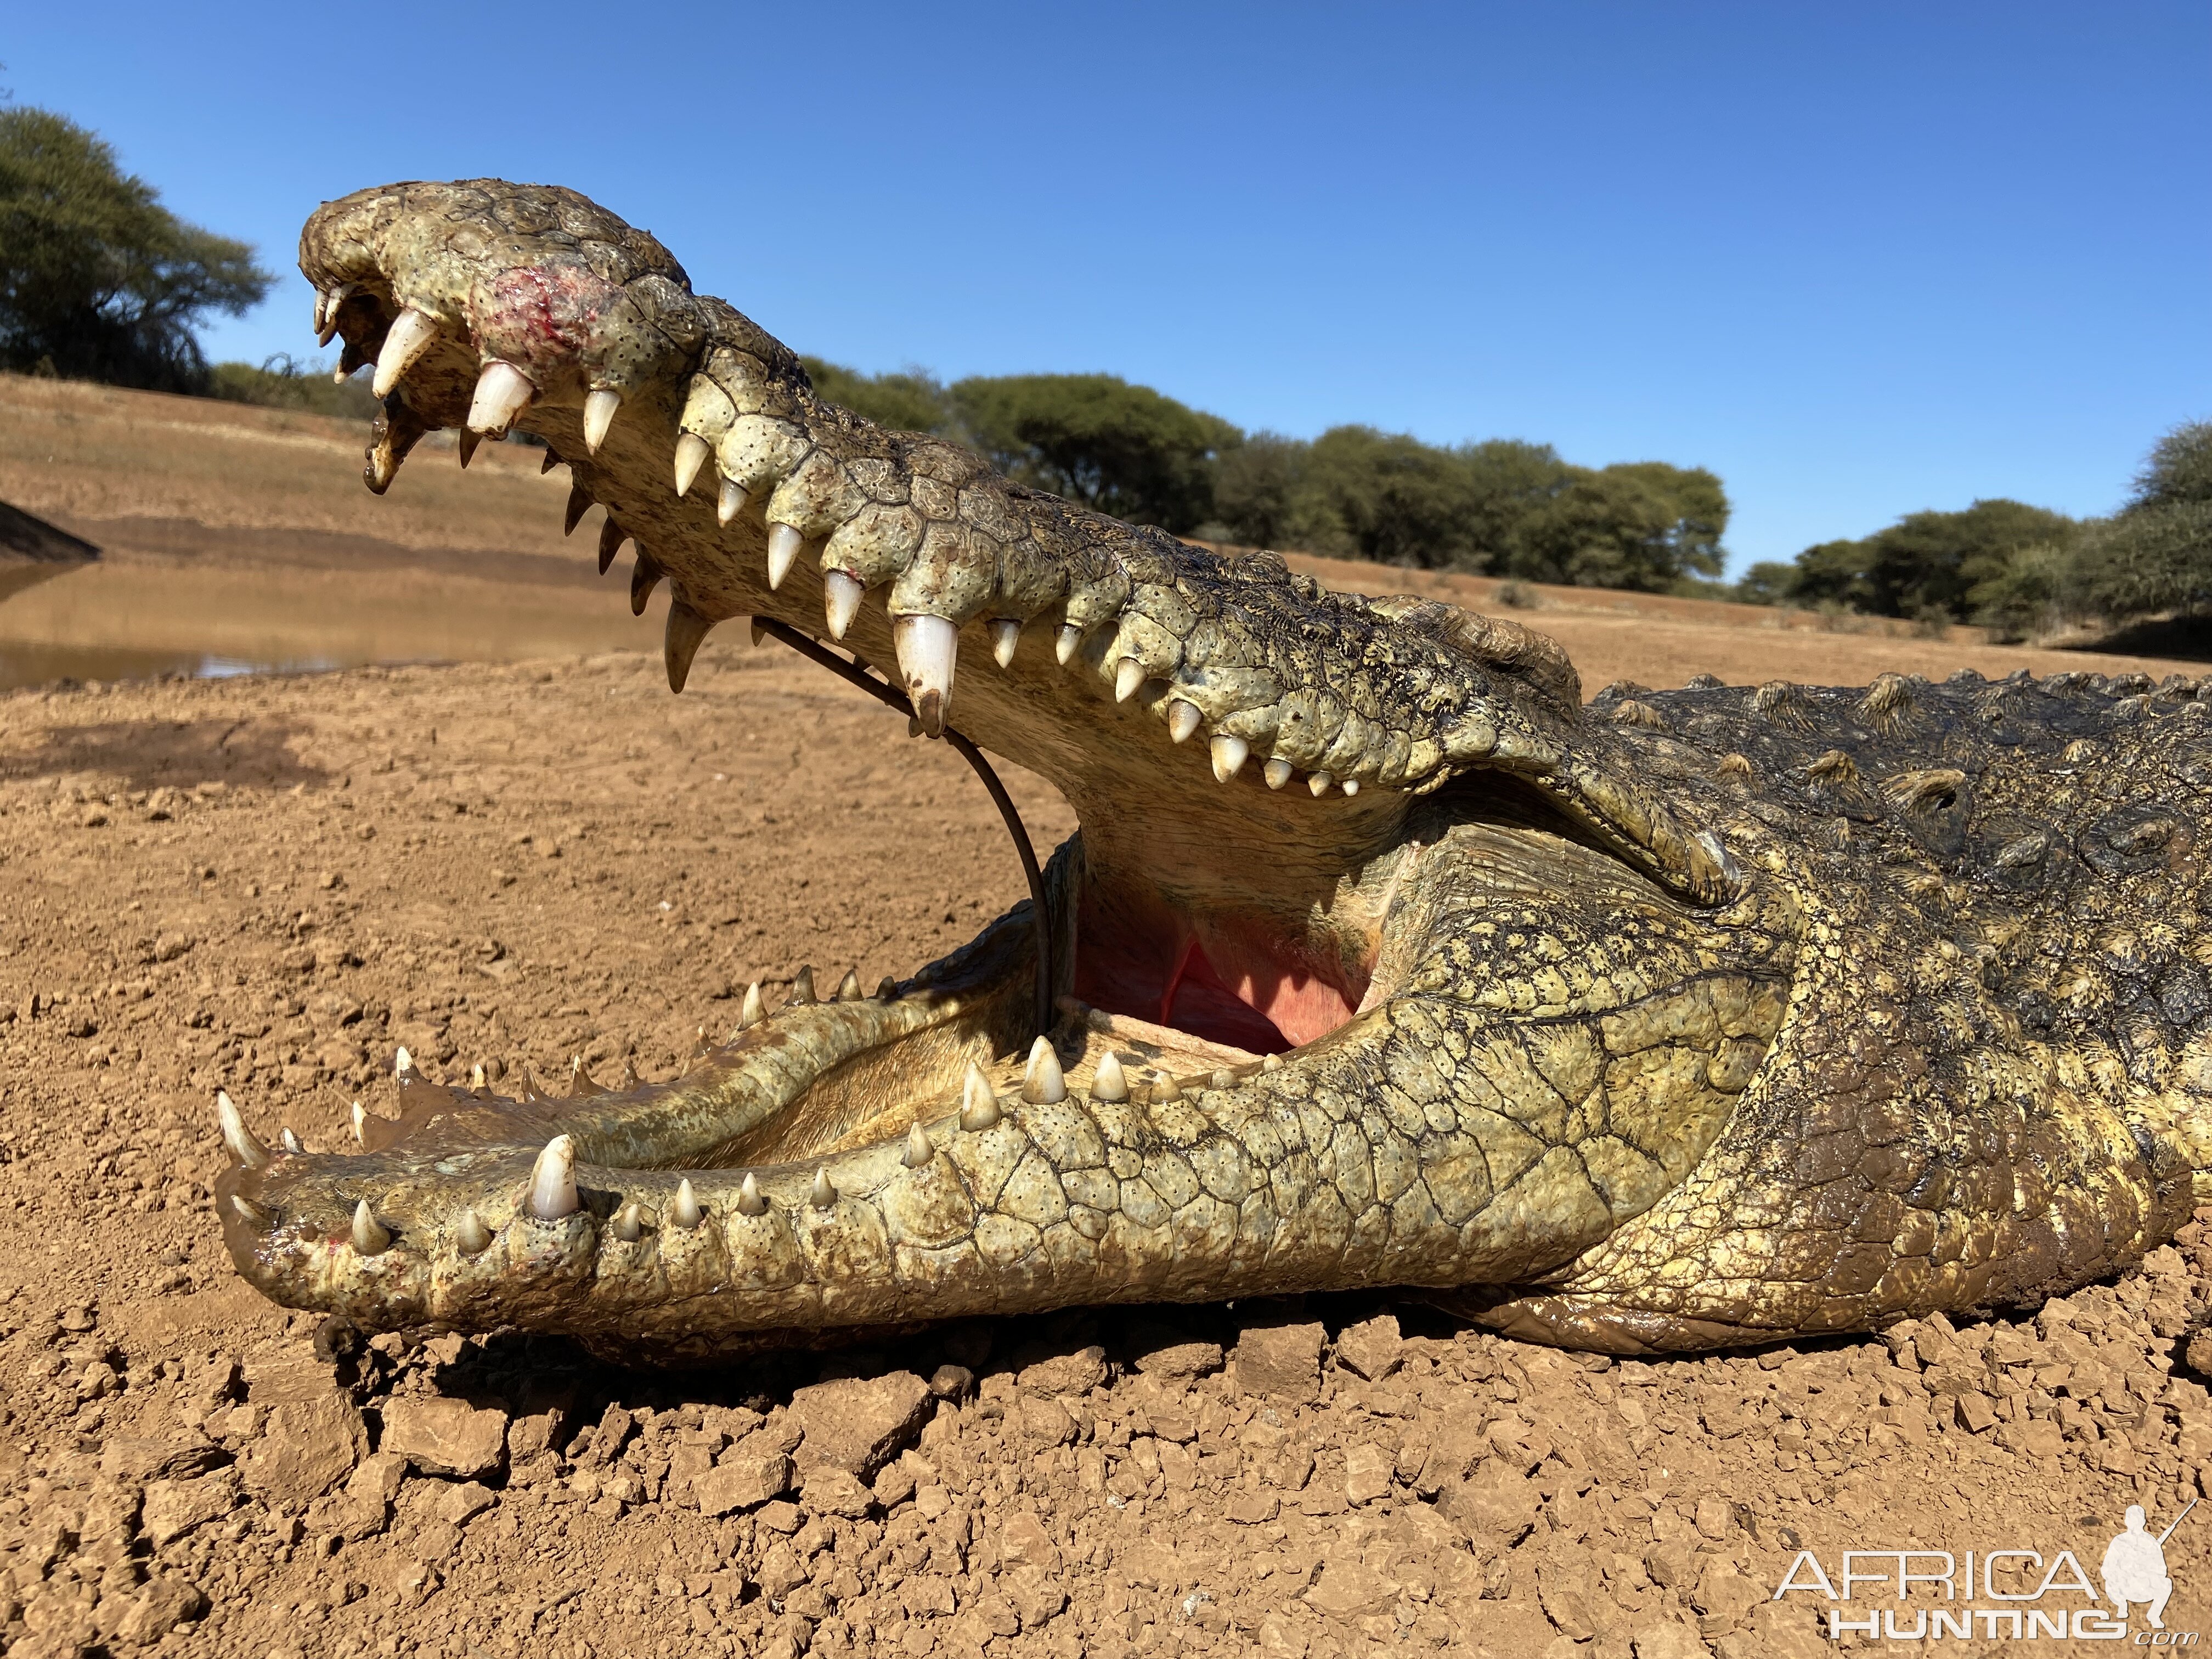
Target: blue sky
x,y
1859,260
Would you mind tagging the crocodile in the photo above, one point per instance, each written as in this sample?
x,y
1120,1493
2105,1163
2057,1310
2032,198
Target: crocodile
x,y
1380,959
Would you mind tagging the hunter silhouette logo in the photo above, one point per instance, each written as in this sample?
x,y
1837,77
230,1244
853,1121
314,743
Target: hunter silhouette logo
x,y
2134,1568
1983,1593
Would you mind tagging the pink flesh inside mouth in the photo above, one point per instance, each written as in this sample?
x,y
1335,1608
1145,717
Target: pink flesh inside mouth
x,y
1234,980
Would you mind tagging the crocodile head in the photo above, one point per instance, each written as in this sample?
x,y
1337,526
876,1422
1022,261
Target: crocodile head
x,y
1378,959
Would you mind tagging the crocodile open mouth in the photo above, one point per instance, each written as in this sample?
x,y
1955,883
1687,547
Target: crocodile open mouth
x,y
1309,1000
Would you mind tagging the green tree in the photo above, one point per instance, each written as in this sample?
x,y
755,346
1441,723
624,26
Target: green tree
x,y
98,280
1389,497
912,400
1122,449
1927,563
2156,554
1262,494
1641,525
281,382
1766,582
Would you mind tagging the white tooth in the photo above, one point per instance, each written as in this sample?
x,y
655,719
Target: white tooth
x,y
750,1201
979,1106
684,1212
408,338
502,393
1042,1082
476,1078
1128,674
340,375
731,502
470,1236
1271,1062
241,1141
824,1195
598,414
753,1010
1351,786
1278,773
1109,1082
1005,636
1183,719
1164,1087
1063,646
252,1214
629,1223
289,1141
841,600
928,649
553,1180
783,541
360,1118
370,1236
691,453
918,1151
1319,783
1228,753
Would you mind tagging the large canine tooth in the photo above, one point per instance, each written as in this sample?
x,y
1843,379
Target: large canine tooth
x,y
802,989
477,1079
1128,674
1109,1082
408,338
1228,753
1042,1085
1278,773
928,649
466,442
686,628
644,577
1183,719
849,988
783,544
684,1212
240,1140
370,1235
553,1180
824,1193
691,453
730,502
1064,643
470,1236
629,1223
1006,636
750,1201
502,393
841,600
598,414
752,1011
979,1106
580,503
611,536
1319,783
402,1063
289,1141
918,1150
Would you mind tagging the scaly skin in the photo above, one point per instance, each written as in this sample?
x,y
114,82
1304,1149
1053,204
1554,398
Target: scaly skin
x,y
1686,1020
